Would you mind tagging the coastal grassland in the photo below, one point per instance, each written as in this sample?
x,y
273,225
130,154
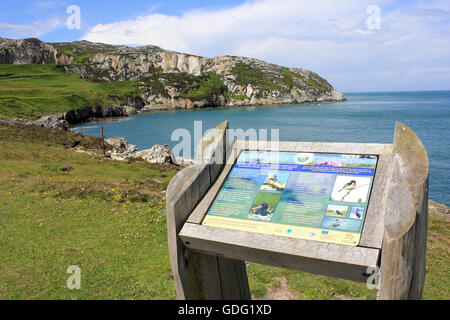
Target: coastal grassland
x,y
31,91
60,208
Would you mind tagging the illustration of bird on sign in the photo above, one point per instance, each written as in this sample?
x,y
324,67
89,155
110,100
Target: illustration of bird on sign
x,y
350,187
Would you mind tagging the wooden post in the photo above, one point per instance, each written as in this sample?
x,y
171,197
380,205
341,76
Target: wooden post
x,y
103,141
403,254
200,275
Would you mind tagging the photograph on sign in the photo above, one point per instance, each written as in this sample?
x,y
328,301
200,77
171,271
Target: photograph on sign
x,y
312,196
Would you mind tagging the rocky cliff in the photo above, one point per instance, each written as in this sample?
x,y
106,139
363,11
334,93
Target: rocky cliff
x,y
31,51
168,79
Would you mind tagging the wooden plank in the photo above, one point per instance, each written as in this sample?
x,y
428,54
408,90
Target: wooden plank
x,y
328,259
200,211
182,196
198,275
396,260
373,229
403,260
420,249
322,147
229,270
211,149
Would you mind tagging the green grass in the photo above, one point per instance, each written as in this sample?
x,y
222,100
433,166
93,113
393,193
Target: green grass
x,y
250,75
288,79
60,208
31,91
158,82
205,87
80,58
228,96
306,286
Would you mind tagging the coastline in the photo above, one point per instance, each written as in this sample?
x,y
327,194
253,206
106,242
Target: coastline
x,y
168,108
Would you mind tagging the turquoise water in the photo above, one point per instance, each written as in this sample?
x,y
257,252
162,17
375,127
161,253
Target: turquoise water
x,y
365,117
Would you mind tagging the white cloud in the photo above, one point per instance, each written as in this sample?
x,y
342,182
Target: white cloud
x,y
327,36
34,29
199,30
50,19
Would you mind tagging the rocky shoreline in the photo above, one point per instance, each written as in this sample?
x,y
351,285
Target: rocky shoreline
x,y
118,148
66,120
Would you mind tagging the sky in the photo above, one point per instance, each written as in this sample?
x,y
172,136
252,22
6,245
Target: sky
x,y
357,45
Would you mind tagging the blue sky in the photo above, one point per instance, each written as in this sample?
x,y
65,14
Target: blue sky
x,y
358,45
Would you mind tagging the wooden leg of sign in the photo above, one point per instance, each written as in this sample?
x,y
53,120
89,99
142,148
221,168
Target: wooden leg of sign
x,y
234,270
403,255
198,275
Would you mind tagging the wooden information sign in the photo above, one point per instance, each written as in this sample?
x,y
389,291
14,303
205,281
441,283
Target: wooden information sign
x,y
344,210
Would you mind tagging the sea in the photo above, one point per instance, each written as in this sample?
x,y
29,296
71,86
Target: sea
x,y
367,117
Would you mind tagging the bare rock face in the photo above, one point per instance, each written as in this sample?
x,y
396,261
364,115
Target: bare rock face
x,y
119,144
56,121
158,154
437,208
31,51
121,150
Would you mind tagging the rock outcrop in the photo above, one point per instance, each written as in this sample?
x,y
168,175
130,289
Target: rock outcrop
x,y
437,208
157,154
73,117
65,120
55,121
121,150
168,79
31,51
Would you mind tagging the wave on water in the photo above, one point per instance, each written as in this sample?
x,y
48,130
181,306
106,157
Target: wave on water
x,y
83,129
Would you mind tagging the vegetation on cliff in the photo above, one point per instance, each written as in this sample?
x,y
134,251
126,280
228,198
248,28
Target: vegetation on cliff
x,y
204,87
31,91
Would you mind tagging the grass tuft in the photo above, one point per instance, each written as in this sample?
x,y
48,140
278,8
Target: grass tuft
x,y
31,91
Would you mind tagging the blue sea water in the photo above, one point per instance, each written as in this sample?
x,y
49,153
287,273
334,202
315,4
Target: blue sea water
x,y
366,117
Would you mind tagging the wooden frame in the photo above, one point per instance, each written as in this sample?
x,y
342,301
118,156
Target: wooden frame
x,y
335,260
208,262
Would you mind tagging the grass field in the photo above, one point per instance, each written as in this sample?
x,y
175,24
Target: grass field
x,y
60,208
31,91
